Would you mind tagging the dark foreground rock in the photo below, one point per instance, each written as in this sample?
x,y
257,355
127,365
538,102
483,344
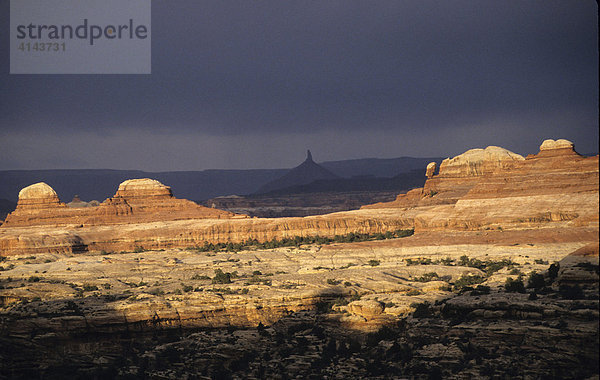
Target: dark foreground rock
x,y
548,330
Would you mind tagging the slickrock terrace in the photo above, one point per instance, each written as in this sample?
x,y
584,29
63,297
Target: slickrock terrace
x,y
346,289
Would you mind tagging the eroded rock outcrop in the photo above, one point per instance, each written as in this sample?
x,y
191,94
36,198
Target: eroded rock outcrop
x,y
431,168
560,146
137,200
38,196
495,188
482,189
477,162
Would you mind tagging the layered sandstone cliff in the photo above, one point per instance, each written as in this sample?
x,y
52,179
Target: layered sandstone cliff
x,y
495,188
135,201
482,189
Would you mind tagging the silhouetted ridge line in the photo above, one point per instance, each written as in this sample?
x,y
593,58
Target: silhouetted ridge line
x,y
303,174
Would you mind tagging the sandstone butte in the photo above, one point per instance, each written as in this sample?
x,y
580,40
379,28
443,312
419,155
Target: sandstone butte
x,y
481,189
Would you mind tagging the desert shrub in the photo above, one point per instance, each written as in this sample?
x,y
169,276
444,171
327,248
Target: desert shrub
x,y
422,310
347,283
418,261
404,233
553,271
138,249
586,265
188,288
34,279
374,263
488,266
571,292
200,277
514,285
466,281
540,261
341,301
480,290
136,285
333,281
414,292
427,277
533,296
465,261
89,288
72,306
447,261
536,281
157,292
515,272
221,277
297,241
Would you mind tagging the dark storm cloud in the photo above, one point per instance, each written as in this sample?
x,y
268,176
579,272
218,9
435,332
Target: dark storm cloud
x,y
422,70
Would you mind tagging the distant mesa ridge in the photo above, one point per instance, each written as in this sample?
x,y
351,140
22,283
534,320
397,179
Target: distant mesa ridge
x,y
303,174
195,185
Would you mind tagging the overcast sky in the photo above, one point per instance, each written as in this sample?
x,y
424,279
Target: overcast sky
x,y
253,84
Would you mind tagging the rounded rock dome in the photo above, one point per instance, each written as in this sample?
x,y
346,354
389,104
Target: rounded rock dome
x,y
38,190
556,144
142,187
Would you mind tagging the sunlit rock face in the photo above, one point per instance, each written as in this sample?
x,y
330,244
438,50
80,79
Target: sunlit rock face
x,y
477,162
143,188
38,195
481,189
556,144
37,204
136,201
431,168
495,188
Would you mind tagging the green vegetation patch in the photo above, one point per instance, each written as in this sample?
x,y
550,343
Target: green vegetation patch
x,y
466,282
431,276
297,241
